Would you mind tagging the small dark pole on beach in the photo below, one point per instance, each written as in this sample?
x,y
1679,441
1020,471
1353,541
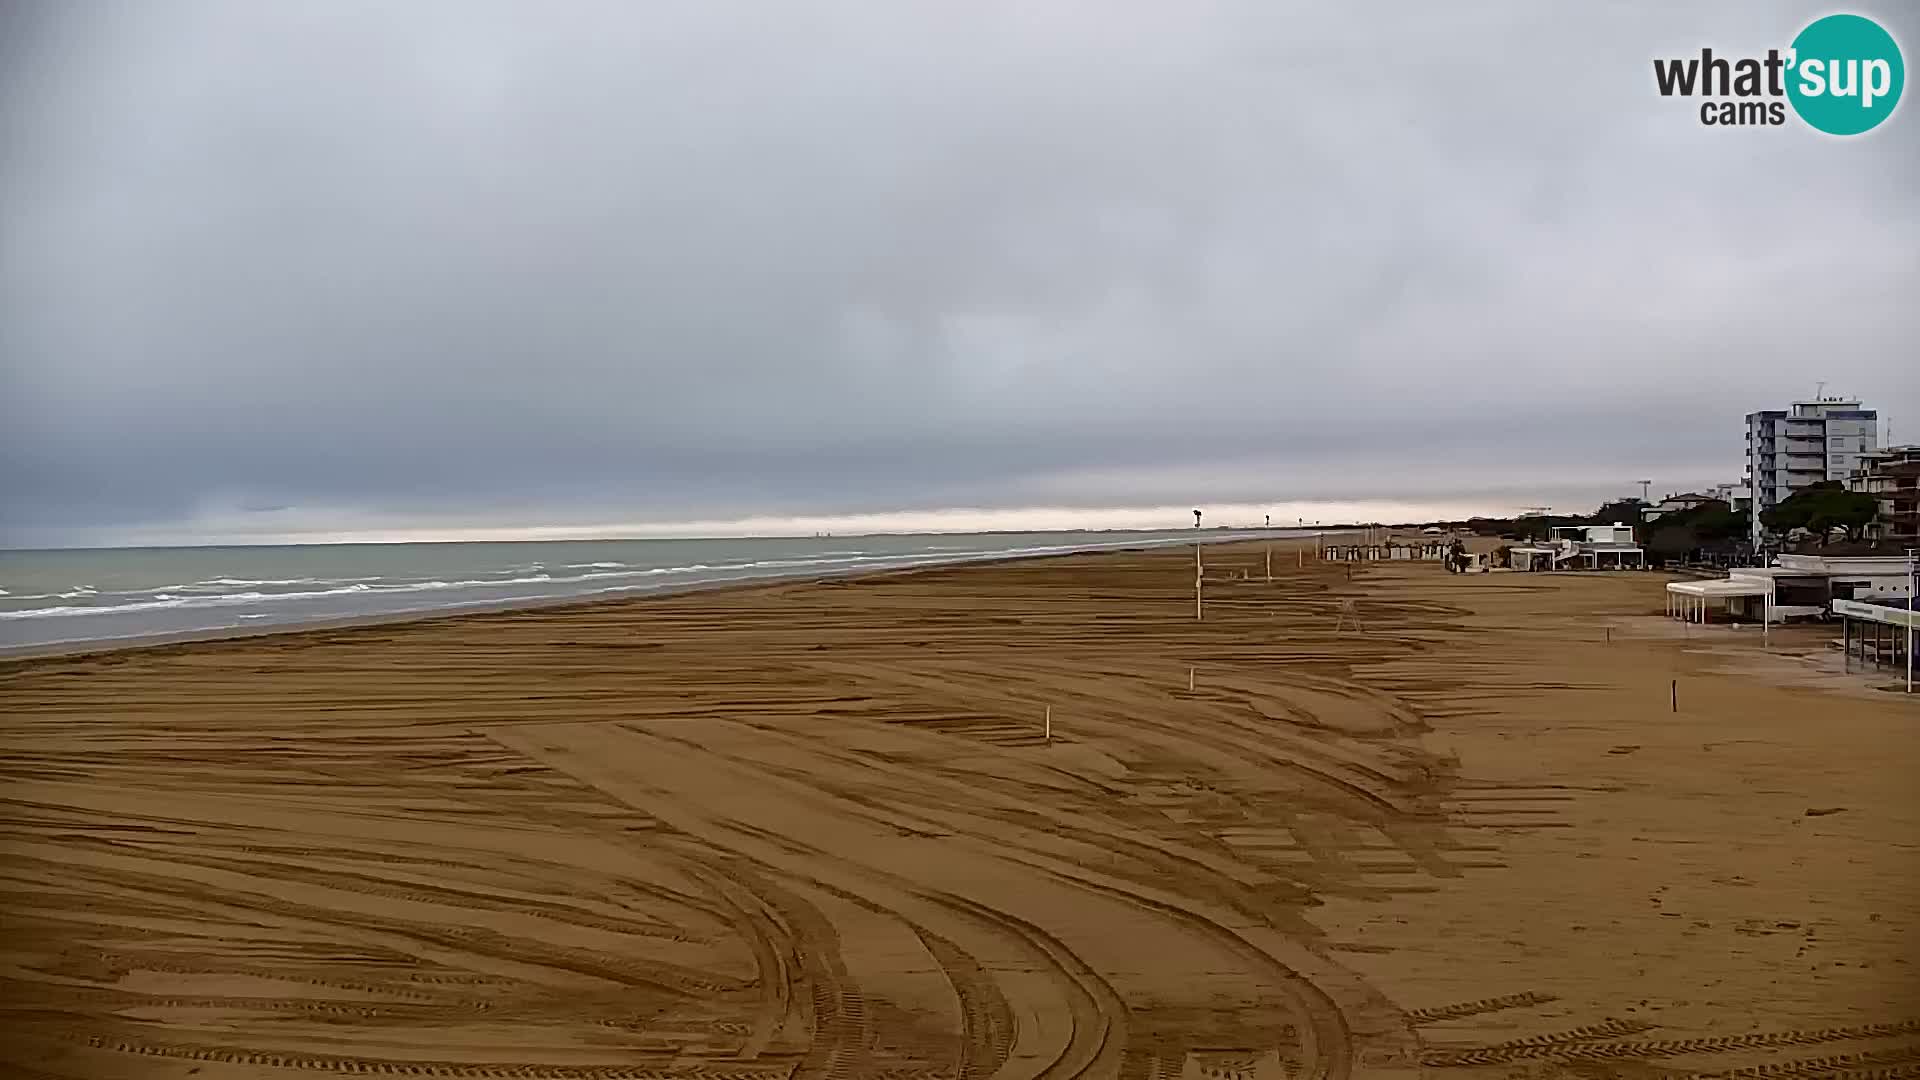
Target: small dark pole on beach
x,y
1673,696
1199,569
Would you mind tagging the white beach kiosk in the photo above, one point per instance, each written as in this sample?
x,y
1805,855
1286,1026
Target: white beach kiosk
x,y
1739,597
1796,587
1886,634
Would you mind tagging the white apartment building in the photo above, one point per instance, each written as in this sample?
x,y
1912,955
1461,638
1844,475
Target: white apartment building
x,y
1814,441
1736,494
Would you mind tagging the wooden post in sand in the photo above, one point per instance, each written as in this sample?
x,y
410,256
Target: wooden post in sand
x,y
1189,680
1269,562
1049,727
1199,574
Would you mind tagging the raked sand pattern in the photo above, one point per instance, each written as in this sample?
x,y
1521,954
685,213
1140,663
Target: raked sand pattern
x,y
814,830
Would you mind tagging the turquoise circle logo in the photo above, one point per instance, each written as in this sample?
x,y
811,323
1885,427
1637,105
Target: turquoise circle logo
x,y
1846,74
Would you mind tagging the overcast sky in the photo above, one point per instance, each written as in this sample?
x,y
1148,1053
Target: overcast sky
x,y
287,270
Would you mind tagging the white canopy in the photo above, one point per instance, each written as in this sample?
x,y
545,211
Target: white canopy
x,y
1723,588
1879,613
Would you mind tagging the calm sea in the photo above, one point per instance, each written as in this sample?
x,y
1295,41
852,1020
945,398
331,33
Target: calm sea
x,y
51,597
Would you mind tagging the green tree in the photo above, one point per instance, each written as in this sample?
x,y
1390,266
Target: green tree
x,y
1672,543
1622,512
1718,521
1709,521
1676,536
1822,508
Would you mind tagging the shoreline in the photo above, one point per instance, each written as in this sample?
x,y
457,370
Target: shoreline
x,y
85,647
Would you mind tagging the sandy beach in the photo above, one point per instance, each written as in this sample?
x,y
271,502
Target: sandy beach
x,y
816,829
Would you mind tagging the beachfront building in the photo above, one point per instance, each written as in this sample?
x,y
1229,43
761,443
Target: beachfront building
x,y
1739,599
1892,477
1795,587
1532,556
1880,630
1589,547
1734,494
1673,504
1809,443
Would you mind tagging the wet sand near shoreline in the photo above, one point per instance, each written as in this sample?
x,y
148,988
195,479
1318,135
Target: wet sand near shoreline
x,y
816,829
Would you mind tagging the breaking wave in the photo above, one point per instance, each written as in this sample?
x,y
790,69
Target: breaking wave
x,y
600,577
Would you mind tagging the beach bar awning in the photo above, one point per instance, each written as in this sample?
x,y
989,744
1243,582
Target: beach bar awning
x,y
1877,646
1880,613
1720,589
1688,600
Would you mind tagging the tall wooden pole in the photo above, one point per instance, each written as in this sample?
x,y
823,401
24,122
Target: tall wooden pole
x,y
1199,574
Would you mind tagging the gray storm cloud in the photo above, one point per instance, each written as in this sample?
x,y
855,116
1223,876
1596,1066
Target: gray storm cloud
x,y
503,263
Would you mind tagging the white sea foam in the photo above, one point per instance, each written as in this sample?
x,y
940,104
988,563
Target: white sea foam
x,y
164,601
167,600
486,590
653,571
249,582
87,609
